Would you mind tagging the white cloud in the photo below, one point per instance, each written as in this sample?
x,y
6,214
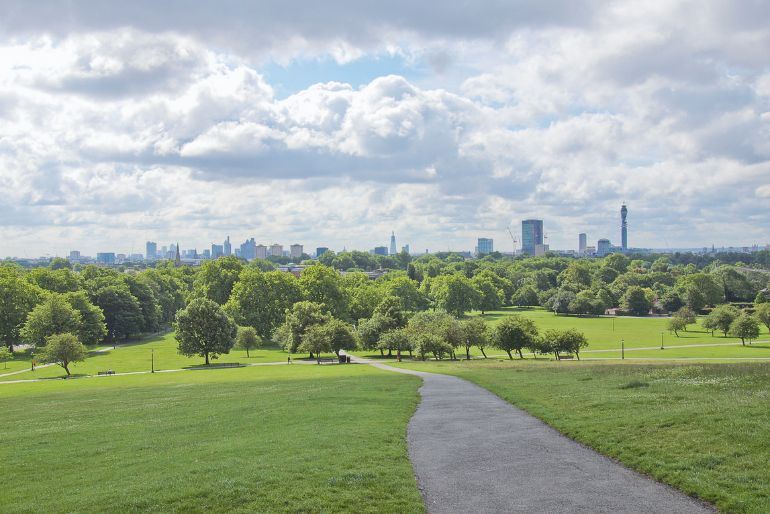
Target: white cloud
x,y
163,126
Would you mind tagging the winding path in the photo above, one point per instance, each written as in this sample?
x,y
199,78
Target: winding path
x,y
472,452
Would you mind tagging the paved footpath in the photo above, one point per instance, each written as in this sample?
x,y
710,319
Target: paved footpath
x,y
473,452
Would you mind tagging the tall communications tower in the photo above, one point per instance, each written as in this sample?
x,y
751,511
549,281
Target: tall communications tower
x,y
624,227
392,243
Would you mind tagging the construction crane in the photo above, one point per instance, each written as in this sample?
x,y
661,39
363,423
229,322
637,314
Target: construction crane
x,y
513,238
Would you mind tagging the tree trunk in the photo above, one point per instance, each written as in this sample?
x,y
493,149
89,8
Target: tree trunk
x,y
509,354
577,354
207,358
247,352
382,352
66,368
521,355
482,352
10,347
311,355
390,353
467,353
337,353
743,341
318,358
398,355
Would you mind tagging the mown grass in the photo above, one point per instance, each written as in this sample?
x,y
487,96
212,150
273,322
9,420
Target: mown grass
x,y
138,356
259,439
703,428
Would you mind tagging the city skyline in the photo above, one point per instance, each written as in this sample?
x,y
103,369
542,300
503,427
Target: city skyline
x,y
157,124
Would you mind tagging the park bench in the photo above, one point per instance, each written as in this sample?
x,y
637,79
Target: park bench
x,y
108,372
327,360
226,365
566,357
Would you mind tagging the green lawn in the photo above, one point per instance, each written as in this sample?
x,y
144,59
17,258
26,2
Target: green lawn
x,y
137,357
257,439
703,428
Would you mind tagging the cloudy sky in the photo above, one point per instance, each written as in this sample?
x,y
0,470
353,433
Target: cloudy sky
x,y
122,122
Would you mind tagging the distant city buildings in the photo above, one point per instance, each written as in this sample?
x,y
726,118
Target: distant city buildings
x,y
603,247
227,249
74,255
541,249
320,251
582,243
151,250
623,228
405,249
484,246
295,251
276,250
380,250
531,235
106,258
392,243
217,251
248,250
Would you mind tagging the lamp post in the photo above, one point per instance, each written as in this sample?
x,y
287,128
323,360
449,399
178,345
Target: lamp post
x,y
622,349
613,324
32,359
661,340
152,360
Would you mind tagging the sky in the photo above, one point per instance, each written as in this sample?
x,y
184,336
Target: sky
x,y
335,123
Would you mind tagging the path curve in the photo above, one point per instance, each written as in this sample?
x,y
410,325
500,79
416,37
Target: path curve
x,y
473,452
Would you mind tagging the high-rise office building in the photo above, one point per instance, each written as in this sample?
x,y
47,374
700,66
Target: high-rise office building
x,y
624,228
74,255
249,249
405,249
531,235
261,251
217,251
603,247
320,251
295,251
151,251
276,250
380,250
227,248
582,243
484,246
106,258
392,243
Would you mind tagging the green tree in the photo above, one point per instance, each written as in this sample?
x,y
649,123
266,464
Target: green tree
x,y
17,298
762,313
721,318
140,288
53,316
300,317
407,290
343,337
515,333
491,297
216,278
671,301
477,333
635,301
398,340
122,312
455,294
745,327
58,281
63,349
675,324
203,328
560,301
525,296
686,315
93,329
260,299
565,341
320,284
247,339
5,356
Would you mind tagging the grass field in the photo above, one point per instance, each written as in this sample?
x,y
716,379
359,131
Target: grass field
x,y
137,357
258,439
703,428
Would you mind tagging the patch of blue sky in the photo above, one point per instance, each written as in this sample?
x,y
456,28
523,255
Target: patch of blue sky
x,y
299,74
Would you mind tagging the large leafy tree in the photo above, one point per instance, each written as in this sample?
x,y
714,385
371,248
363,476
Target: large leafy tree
x,y
203,328
122,312
298,319
60,280
53,316
408,291
721,318
321,284
247,339
92,327
17,298
142,290
476,333
745,327
490,296
431,328
216,278
455,294
515,333
635,301
63,349
260,299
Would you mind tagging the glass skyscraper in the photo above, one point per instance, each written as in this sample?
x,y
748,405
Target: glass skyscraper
x,y
531,235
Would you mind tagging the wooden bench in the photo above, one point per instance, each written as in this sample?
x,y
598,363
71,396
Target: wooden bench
x,y
327,360
108,372
226,365
566,357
